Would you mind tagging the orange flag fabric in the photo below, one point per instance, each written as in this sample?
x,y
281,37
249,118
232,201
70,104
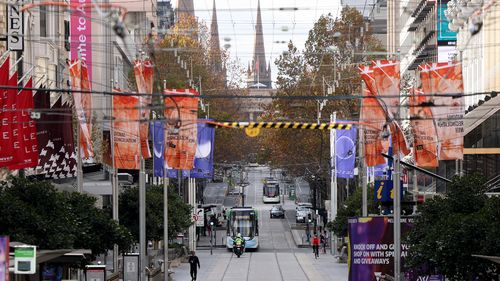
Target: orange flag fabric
x,y
373,118
181,115
447,110
143,72
382,79
78,73
127,145
425,140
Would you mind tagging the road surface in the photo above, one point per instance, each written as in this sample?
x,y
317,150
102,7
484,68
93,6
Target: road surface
x,y
278,257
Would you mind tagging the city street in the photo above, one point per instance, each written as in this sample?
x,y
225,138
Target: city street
x,y
278,257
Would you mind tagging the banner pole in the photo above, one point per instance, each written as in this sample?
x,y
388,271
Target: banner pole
x,y
165,209
334,189
114,181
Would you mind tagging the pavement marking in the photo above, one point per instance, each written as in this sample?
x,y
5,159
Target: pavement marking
x,y
308,267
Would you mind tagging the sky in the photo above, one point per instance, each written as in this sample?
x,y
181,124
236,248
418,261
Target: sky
x,y
236,19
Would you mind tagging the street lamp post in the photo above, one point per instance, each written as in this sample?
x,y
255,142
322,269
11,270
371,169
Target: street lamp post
x,y
211,235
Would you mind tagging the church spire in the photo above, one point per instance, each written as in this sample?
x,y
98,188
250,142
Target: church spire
x,y
215,52
259,67
185,6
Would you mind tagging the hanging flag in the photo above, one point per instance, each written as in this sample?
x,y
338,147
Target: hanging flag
x,y
425,140
398,139
204,157
144,81
448,108
345,152
203,161
181,114
5,115
127,146
25,129
158,132
83,105
57,155
382,79
373,119
15,133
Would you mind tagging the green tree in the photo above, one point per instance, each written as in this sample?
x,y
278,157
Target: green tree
x,y
330,56
179,213
34,212
449,230
351,208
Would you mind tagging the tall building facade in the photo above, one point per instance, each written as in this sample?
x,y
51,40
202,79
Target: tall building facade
x,y
478,48
165,15
375,13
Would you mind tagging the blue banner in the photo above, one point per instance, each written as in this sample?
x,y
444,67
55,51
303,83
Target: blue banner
x,y
203,162
158,137
384,191
345,152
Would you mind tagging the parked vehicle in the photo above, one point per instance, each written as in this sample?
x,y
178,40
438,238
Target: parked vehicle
x,y
302,214
277,211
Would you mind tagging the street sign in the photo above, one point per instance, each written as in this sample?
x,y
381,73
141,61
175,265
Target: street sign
x,y
200,222
384,191
131,267
25,259
15,27
95,273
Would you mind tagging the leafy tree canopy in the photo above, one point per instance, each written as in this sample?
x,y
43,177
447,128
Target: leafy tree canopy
x,y
449,230
34,212
351,208
179,213
329,58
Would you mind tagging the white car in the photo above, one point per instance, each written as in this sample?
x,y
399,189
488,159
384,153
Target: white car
x,y
302,214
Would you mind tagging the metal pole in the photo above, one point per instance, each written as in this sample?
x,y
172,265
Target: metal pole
x,y
114,182
415,191
363,174
397,219
165,223
79,175
142,221
334,188
142,216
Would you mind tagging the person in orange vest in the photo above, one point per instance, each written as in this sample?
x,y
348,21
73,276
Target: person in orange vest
x,y
315,244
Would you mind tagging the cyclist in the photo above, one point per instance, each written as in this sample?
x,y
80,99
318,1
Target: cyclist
x,y
315,245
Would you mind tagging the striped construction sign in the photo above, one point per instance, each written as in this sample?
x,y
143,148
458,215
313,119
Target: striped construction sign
x,y
283,125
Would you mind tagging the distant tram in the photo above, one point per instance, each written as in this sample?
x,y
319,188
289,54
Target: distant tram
x,y
243,220
271,191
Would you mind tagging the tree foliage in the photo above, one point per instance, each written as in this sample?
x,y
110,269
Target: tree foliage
x,y
329,58
351,208
34,212
190,41
179,213
449,230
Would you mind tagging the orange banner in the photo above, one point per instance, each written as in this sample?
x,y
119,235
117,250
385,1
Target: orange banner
x,y
78,73
425,141
127,146
373,117
382,78
181,114
448,111
143,72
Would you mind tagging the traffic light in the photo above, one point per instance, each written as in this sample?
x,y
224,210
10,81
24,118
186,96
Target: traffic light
x,y
309,217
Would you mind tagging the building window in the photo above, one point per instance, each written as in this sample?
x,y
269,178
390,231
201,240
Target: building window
x,y
66,35
43,21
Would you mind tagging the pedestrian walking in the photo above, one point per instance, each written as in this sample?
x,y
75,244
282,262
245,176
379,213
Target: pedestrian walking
x,y
322,241
326,239
315,244
194,263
